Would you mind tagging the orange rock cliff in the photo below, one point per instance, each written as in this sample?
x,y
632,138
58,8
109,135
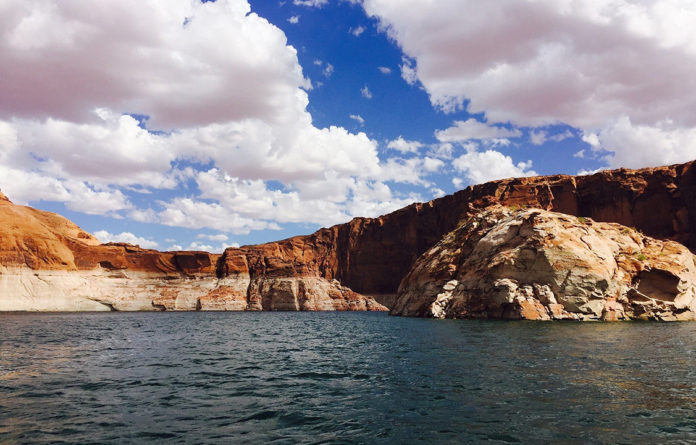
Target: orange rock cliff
x,y
368,255
372,255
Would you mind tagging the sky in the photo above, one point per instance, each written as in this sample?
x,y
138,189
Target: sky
x,y
181,124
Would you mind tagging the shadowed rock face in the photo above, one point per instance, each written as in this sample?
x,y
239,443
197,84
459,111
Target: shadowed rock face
x,y
371,256
539,265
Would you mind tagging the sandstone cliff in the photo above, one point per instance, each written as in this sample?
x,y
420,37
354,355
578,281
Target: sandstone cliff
x,y
48,263
372,255
540,265
368,255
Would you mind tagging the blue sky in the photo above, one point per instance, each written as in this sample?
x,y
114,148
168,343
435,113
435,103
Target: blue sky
x,y
186,125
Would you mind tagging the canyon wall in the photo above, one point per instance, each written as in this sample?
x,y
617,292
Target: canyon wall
x,y
47,263
372,255
318,271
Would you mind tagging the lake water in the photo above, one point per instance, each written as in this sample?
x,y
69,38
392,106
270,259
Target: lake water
x,y
341,378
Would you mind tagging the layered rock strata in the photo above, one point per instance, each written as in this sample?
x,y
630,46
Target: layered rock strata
x,y
48,263
539,265
372,255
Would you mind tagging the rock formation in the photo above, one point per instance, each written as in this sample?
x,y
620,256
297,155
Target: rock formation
x,y
48,263
539,265
372,255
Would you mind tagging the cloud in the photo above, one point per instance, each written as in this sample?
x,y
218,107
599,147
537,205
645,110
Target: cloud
x,y
480,167
384,70
437,192
142,98
472,129
357,30
589,172
328,70
593,65
365,92
125,237
142,58
540,137
311,3
217,237
408,71
445,150
96,202
404,146
592,139
411,170
558,137
294,19
241,206
537,137
196,246
663,143
358,119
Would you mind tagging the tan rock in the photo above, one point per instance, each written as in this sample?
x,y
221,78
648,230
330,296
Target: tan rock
x,y
539,265
48,263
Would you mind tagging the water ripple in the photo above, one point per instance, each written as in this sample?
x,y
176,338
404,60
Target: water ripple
x,y
337,378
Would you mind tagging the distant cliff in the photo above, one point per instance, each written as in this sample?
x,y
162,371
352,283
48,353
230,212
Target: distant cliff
x,y
47,263
318,271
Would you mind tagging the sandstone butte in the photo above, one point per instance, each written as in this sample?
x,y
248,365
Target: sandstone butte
x,y
368,255
539,265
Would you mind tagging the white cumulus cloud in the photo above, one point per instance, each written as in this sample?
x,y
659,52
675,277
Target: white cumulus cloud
x,y
125,237
595,65
480,167
138,89
470,129
357,118
404,146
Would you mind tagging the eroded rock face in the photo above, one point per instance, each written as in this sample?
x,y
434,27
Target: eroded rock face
x,y
48,263
372,255
539,265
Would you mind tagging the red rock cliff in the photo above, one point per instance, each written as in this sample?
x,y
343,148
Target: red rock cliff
x,y
369,255
47,263
372,255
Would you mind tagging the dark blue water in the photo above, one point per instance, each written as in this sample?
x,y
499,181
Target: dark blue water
x,y
341,378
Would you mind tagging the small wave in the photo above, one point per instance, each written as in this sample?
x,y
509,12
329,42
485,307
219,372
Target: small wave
x,y
262,415
321,375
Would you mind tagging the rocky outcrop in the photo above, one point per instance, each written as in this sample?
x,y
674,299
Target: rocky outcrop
x,y
539,265
48,263
372,255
